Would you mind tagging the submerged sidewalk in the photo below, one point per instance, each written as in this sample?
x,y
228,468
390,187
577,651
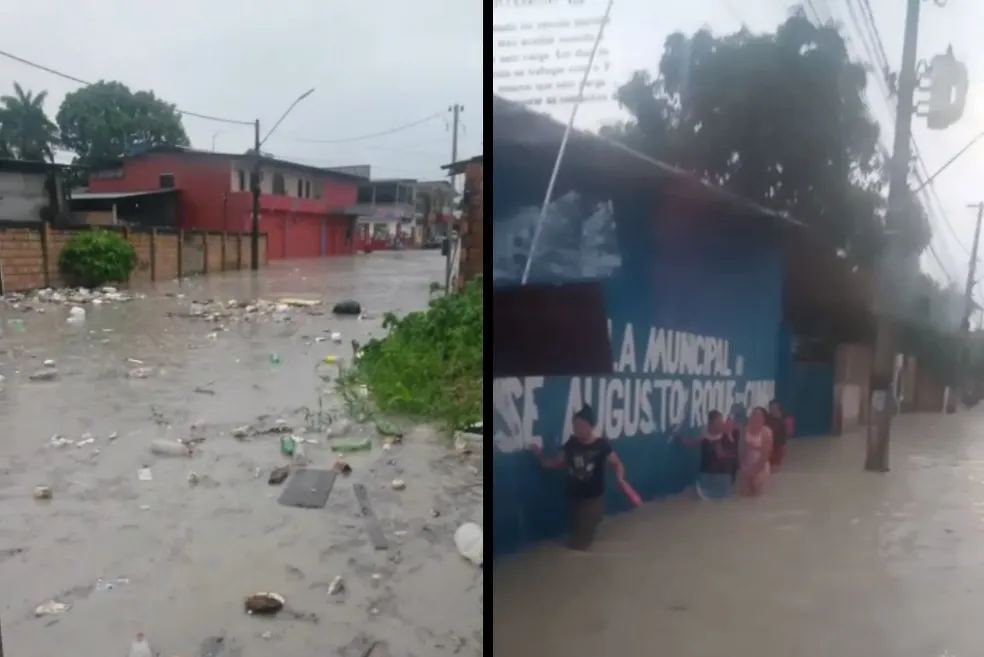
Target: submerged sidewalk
x,y
831,561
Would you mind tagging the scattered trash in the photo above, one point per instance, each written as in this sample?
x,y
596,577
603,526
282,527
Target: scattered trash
x,y
274,359
342,467
266,635
339,428
140,373
201,390
435,513
399,484
50,608
347,307
47,374
348,446
337,586
42,493
76,315
468,538
193,478
278,475
164,447
300,303
144,474
336,337
134,361
49,363
287,445
60,441
264,603
390,430
241,432
140,647
110,584
113,436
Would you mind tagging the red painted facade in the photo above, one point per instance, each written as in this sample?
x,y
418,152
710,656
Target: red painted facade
x,y
295,227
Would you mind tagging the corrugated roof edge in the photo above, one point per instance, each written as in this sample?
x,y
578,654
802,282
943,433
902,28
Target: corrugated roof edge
x,y
516,123
459,167
264,159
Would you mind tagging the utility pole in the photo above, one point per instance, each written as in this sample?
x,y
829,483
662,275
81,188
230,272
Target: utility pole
x,y
880,426
254,238
964,360
456,111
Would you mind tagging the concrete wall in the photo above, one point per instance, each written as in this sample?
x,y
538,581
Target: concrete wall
x,y
22,196
29,254
694,310
852,387
472,227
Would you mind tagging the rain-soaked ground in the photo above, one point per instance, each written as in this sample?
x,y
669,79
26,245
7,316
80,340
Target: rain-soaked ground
x,y
191,553
831,561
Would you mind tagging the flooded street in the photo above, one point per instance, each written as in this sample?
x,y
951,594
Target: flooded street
x,y
832,561
191,553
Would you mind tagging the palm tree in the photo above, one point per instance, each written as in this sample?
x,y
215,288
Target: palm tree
x,y
26,132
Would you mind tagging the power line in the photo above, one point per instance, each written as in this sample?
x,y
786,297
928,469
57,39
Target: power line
x,y
371,135
72,78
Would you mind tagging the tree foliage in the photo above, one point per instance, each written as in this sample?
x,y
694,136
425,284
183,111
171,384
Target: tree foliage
x,y
101,121
26,132
779,118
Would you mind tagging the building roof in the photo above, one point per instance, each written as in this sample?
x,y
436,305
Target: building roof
x,y
455,168
265,160
112,196
9,165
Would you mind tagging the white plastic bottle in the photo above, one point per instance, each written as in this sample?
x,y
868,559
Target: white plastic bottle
x,y
140,647
470,541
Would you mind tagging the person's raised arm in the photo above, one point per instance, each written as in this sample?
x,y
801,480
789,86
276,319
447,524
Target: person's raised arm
x,y
554,462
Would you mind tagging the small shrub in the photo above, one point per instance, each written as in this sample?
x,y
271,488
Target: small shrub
x,y
429,365
96,257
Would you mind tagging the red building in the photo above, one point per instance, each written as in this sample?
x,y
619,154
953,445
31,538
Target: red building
x,y
299,204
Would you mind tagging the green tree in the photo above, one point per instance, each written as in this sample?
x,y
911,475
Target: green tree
x,y
26,132
779,118
102,120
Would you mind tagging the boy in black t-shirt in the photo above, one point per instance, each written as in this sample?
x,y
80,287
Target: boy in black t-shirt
x,y
585,457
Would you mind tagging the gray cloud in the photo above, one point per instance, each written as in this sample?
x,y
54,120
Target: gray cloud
x,y
375,64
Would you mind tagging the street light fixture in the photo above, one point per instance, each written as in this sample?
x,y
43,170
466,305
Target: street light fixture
x,y
255,178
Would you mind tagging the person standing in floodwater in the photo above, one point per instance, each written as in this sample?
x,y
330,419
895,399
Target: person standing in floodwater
x,y
754,452
781,428
718,457
586,457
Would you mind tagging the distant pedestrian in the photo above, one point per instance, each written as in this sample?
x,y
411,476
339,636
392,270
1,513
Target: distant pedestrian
x,y
754,452
781,427
718,457
586,458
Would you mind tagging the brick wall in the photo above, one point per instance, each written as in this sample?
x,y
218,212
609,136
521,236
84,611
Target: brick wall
x,y
29,253
472,226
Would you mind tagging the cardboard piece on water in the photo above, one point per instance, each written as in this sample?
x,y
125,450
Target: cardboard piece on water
x,y
308,488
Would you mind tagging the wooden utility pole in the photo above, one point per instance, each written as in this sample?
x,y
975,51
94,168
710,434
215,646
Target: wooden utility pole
x,y
963,378
254,186
882,396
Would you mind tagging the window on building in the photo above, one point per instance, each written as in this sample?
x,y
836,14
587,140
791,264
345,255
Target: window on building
x,y
300,188
241,174
166,181
307,189
279,185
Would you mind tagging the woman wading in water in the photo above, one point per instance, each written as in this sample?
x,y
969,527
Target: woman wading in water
x,y
755,450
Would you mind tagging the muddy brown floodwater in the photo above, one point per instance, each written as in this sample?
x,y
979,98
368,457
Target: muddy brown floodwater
x,y
189,554
831,561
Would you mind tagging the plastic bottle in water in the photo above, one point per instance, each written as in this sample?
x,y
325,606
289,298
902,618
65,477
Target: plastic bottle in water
x,y
469,539
140,647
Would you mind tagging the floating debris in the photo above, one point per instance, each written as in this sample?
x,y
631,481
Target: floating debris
x,y
264,603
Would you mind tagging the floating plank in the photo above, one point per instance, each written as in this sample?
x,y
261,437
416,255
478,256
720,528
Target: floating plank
x,y
308,488
376,535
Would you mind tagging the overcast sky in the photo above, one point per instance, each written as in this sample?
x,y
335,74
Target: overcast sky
x,y
375,65
638,28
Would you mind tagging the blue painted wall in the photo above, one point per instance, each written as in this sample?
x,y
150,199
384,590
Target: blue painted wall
x,y
714,287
